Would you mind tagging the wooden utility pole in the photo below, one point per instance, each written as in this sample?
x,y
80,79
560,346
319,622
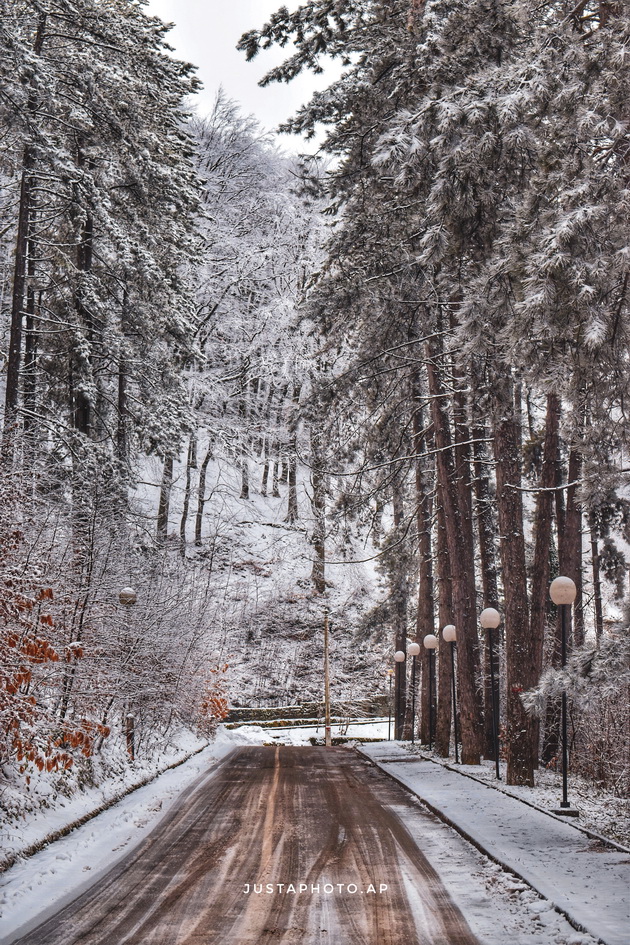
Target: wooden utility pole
x,y
328,740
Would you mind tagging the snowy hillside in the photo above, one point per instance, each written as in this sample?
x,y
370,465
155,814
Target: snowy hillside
x,y
265,618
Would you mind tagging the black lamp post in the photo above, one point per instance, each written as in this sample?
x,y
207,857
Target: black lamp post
x,y
399,657
450,635
490,620
430,642
563,592
412,650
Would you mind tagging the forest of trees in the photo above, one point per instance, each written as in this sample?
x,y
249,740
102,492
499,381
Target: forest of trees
x,y
475,296
431,323
151,263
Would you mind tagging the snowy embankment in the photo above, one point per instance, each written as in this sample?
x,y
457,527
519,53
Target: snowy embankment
x,y
55,804
40,885
582,879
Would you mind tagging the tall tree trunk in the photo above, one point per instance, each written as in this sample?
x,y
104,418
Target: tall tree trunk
x,y
540,609
244,463
265,476
424,508
122,444
445,597
19,289
292,503
191,463
30,365
275,491
318,502
571,545
85,250
551,734
21,259
488,568
597,583
201,494
519,651
461,551
399,595
165,498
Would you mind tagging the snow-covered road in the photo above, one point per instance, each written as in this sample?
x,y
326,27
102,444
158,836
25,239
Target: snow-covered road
x,y
301,845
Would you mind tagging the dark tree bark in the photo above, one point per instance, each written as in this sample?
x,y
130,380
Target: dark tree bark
x,y
84,257
488,567
191,463
19,288
571,543
424,509
265,476
519,651
122,438
275,491
201,495
551,732
543,520
445,597
30,363
292,505
244,464
318,502
597,583
165,498
21,265
291,464
458,536
399,594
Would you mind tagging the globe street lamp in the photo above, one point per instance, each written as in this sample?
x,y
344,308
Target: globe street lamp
x,y
430,642
449,633
127,597
412,650
490,620
399,658
563,592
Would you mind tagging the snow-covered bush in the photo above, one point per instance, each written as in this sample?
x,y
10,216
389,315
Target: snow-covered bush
x,y
597,683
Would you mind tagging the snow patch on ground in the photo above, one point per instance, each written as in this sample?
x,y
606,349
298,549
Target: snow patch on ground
x,y
302,734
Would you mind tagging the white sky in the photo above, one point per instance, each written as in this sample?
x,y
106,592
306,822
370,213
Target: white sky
x,y
206,33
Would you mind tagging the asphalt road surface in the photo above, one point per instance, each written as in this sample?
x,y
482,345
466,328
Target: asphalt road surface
x,y
280,845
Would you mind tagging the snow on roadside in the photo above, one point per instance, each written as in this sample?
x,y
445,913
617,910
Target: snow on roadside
x,y
302,734
497,906
599,810
43,883
50,806
582,878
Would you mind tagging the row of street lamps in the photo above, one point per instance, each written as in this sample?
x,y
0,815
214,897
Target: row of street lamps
x,y
562,592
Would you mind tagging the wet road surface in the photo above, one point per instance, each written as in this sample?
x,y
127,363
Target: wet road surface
x,y
280,845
